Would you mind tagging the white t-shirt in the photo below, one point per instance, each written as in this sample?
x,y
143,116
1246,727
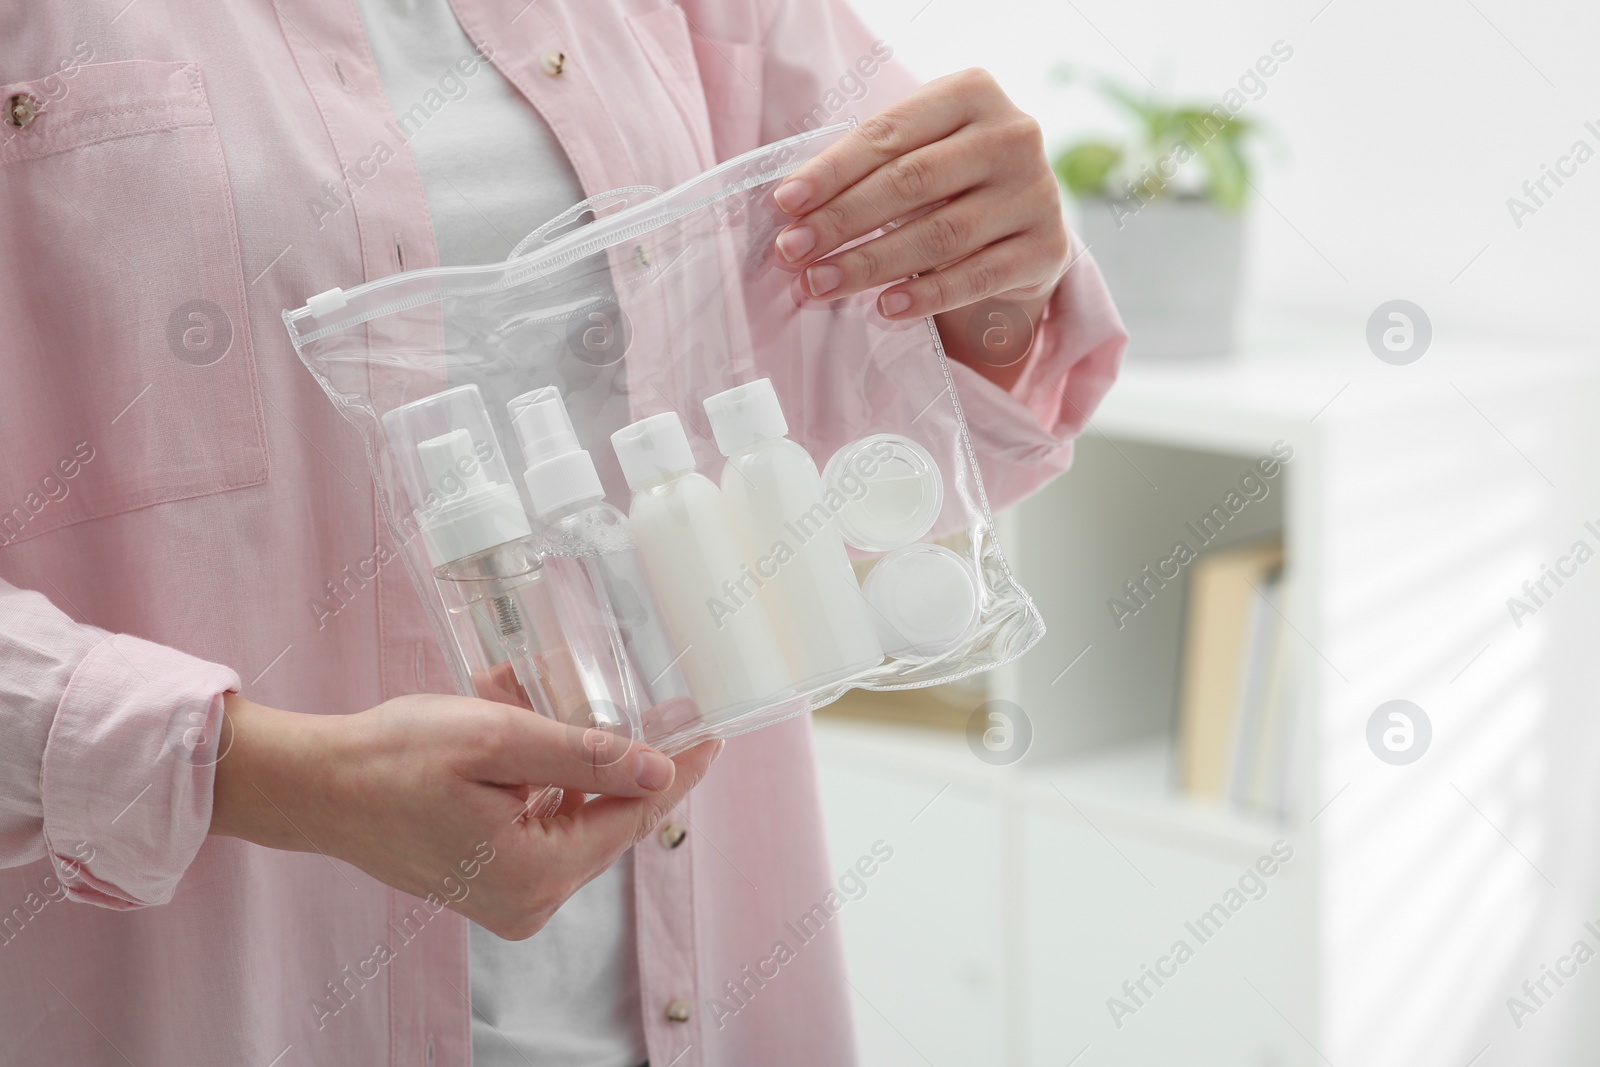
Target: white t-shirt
x,y
492,172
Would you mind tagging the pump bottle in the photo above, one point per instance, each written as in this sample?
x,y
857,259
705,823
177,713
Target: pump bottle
x,y
485,560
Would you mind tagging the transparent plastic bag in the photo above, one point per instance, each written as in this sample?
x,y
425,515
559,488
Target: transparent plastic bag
x,y
643,483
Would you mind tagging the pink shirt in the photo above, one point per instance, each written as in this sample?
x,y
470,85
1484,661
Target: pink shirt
x,y
178,495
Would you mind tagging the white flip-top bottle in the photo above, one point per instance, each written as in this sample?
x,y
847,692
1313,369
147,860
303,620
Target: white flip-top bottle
x,y
792,547
591,552
732,661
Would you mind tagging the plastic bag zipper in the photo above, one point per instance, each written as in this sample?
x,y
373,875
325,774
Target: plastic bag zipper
x,y
576,245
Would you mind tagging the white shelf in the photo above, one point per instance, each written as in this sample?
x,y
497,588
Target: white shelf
x,y
1235,404
1280,381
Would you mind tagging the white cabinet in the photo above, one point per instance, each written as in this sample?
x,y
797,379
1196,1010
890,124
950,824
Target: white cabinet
x,y
926,942
1019,900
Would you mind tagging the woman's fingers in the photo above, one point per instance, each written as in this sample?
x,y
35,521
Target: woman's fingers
x,y
544,861
942,236
892,191
935,111
964,174
606,822
522,747
576,846
998,268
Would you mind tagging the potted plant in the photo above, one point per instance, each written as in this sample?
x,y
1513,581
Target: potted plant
x,y
1163,213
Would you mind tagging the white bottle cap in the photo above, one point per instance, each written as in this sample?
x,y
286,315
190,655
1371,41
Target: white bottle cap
x,y
469,512
559,472
454,474
652,449
924,601
745,415
892,488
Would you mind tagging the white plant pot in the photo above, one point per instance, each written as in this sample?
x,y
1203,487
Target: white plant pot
x,y
1174,267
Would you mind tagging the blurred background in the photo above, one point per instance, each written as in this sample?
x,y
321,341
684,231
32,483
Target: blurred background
x,y
1305,770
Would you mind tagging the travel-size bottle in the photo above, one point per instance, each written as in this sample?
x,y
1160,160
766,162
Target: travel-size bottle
x,y
730,656
485,560
593,559
791,544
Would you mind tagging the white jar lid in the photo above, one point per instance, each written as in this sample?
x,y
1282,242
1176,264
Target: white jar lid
x,y
892,491
924,601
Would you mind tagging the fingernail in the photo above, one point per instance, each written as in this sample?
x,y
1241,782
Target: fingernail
x,y
652,771
792,195
892,304
792,244
823,279
721,744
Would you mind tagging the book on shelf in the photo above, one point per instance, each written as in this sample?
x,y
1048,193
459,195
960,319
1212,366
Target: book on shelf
x,y
1231,716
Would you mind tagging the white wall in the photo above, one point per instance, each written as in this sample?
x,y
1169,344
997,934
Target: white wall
x,y
1404,128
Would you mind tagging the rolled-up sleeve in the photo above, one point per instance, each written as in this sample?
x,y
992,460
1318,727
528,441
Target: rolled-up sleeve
x,y
108,748
1023,436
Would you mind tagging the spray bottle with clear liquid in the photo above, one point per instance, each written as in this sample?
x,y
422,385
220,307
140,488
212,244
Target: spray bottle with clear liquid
x,y
597,578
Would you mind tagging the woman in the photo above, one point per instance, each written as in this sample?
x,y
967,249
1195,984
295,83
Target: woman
x,y
176,175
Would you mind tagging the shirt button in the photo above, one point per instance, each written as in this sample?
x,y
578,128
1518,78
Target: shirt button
x,y
553,62
672,834
678,1011
21,109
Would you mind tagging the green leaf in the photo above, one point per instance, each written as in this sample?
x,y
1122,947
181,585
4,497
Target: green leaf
x,y
1216,140
1213,136
1150,115
1193,125
1226,171
1084,168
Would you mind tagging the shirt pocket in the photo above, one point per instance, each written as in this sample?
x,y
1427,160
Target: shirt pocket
x,y
127,376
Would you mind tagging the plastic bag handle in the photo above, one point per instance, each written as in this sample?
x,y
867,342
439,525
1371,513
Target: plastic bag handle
x,y
623,195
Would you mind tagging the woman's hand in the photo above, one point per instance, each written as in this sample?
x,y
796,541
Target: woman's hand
x,y
964,173
429,794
